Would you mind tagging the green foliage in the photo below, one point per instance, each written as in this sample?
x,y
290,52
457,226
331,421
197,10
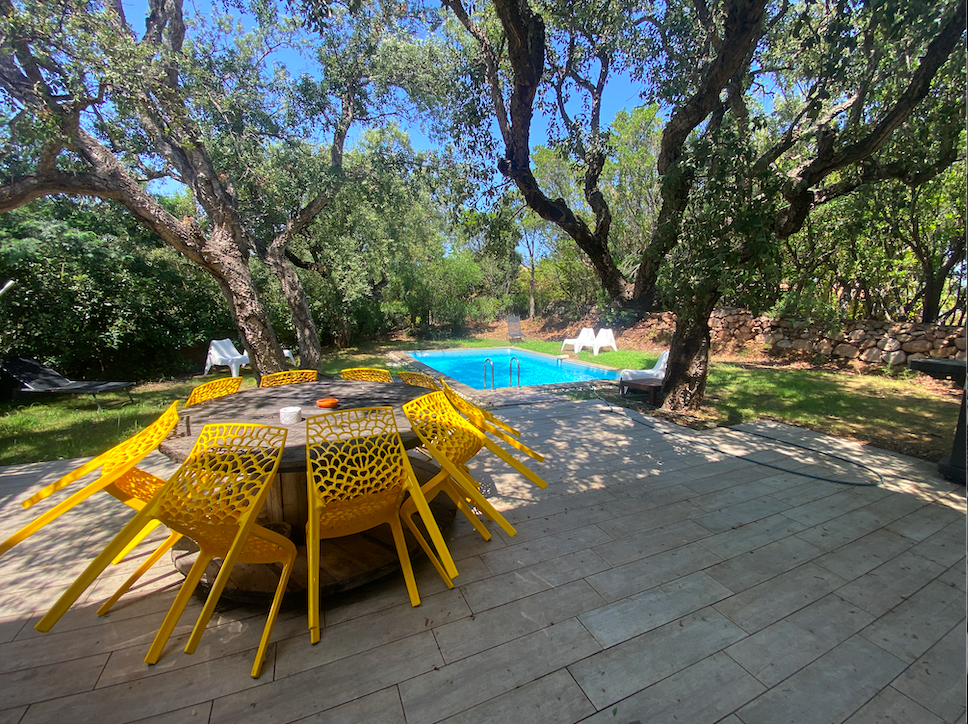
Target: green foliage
x,y
873,254
93,296
727,247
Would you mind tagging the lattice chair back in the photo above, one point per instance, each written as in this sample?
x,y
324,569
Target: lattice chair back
x,y
225,478
289,377
366,374
419,379
114,464
435,420
214,389
356,468
357,474
214,498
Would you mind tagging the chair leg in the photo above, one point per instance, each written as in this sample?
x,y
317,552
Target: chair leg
x,y
142,569
178,607
273,612
228,563
514,463
406,515
469,488
312,559
91,573
44,518
456,495
401,543
431,525
136,541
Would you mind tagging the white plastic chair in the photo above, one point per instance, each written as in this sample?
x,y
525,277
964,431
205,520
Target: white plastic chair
x,y
223,352
658,372
585,338
604,338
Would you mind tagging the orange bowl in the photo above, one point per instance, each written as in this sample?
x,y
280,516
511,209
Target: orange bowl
x,y
327,402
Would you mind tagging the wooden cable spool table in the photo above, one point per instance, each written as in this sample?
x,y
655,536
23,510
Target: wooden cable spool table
x,y
345,562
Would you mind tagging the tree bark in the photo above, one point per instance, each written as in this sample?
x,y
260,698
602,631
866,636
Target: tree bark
x,y
688,368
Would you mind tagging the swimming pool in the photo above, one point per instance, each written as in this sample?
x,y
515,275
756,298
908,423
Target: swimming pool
x,y
468,366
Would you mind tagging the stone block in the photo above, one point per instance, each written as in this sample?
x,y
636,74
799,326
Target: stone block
x,y
904,337
917,345
889,344
895,358
825,347
857,335
871,354
845,350
802,344
784,344
961,343
943,353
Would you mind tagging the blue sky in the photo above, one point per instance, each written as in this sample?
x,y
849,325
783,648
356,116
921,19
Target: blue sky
x,y
621,92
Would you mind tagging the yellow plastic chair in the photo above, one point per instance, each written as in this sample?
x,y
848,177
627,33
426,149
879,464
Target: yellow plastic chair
x,y
451,441
289,377
419,379
486,422
436,405
213,498
119,477
214,389
366,374
357,474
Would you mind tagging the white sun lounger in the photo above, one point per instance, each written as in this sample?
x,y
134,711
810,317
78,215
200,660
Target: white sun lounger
x,y
585,338
604,338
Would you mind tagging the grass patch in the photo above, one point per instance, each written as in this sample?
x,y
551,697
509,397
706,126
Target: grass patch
x,y
900,414
894,413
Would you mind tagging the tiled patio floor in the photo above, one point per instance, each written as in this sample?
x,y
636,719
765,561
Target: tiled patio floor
x,y
657,579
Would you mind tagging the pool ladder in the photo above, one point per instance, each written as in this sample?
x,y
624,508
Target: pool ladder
x,y
511,366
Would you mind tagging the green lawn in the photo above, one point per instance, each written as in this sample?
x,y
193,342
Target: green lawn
x,y
900,414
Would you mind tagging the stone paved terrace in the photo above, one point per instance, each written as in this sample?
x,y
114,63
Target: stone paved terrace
x,y
663,576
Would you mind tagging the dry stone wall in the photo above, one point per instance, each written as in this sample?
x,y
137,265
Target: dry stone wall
x,y
873,342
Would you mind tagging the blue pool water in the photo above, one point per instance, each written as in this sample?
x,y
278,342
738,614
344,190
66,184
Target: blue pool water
x,y
467,366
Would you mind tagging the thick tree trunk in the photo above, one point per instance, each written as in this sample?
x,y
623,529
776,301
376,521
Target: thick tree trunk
x,y
931,301
688,368
307,336
234,277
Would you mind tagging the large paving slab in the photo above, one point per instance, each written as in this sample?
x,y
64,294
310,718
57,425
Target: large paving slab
x,y
665,575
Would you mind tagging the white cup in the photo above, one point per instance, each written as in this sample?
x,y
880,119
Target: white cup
x,y
290,415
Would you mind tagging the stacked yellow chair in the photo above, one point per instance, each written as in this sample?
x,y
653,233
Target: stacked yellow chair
x,y
489,423
451,441
366,374
358,474
214,389
289,377
213,498
419,379
119,476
